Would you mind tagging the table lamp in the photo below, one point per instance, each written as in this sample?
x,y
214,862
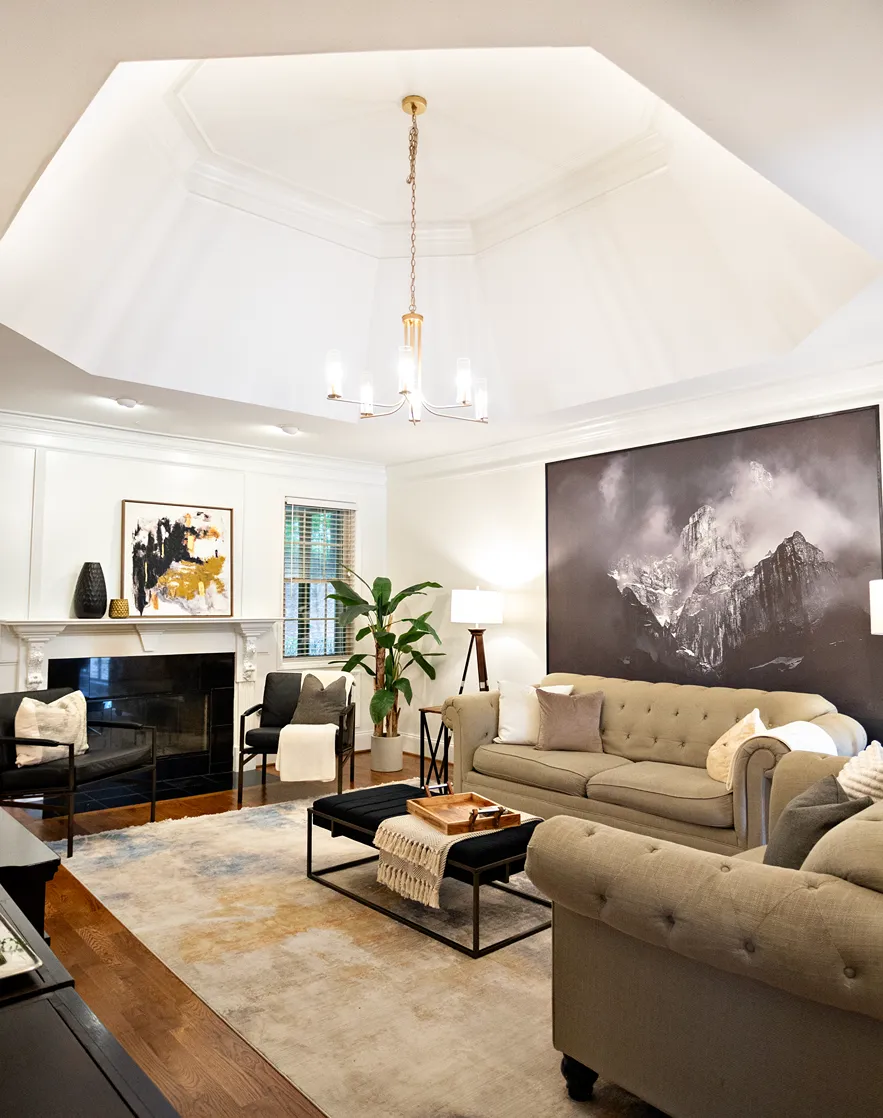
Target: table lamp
x,y
476,608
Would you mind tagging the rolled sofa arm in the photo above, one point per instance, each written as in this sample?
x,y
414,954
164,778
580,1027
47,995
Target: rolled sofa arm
x,y
797,772
810,934
848,735
473,720
751,789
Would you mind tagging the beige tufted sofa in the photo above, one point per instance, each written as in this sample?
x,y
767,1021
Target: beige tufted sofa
x,y
651,777
714,986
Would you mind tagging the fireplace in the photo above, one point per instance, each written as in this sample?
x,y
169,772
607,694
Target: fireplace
x,y
187,698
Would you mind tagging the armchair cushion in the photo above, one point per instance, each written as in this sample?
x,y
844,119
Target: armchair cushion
x,y
100,762
264,738
9,704
63,720
679,792
281,693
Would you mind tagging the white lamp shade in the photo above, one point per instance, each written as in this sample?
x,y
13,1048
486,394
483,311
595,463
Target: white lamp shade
x,y
476,607
876,588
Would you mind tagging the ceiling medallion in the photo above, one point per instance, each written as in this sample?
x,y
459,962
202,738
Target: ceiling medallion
x,y
411,352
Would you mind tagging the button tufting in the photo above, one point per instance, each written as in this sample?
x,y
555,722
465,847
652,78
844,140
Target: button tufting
x,y
749,946
602,899
849,972
704,716
670,918
652,849
725,869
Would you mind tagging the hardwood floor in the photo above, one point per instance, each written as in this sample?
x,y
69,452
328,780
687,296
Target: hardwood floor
x,y
203,1066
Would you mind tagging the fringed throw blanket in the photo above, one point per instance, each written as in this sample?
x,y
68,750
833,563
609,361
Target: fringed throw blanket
x,y
413,856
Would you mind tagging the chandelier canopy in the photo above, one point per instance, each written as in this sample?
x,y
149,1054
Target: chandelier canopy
x,y
410,362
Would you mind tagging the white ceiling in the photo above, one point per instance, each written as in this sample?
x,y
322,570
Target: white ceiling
x,y
499,124
679,275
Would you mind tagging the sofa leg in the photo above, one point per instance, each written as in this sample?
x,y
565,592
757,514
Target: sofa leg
x,y
580,1080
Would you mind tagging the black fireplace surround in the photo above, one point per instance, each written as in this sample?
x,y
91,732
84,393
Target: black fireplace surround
x,y
188,698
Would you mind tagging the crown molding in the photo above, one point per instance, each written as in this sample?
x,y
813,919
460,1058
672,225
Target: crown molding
x,y
228,182
630,162
695,410
94,438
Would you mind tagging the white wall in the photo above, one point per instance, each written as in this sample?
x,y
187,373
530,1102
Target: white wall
x,y
61,492
480,520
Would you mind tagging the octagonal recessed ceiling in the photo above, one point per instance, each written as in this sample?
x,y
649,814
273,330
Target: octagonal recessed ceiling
x,y
214,228
499,125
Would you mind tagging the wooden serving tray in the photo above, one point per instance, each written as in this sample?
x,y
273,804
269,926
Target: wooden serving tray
x,y
456,814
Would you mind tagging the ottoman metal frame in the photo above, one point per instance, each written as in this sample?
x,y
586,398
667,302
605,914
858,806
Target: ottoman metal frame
x,y
471,874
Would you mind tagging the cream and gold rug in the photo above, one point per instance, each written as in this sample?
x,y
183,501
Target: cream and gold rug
x,y
365,1016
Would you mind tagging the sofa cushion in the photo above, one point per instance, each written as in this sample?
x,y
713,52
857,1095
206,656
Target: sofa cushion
x,y
672,791
678,723
559,771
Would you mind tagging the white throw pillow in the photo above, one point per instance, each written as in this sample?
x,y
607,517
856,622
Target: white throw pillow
x,y
722,755
862,775
63,721
520,711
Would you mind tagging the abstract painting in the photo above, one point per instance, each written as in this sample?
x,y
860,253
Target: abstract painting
x,y
740,559
177,560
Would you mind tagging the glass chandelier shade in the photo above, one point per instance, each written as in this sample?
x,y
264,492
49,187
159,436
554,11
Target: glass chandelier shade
x,y
469,394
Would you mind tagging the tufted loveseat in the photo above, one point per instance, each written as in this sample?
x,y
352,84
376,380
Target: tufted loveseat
x,y
651,777
717,986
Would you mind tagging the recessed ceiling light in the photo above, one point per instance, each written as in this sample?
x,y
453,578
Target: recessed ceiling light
x,y
127,402
289,429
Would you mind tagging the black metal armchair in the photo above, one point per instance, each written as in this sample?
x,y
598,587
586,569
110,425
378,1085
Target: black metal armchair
x,y
281,694
67,776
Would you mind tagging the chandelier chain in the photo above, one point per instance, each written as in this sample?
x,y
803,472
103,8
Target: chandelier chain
x,y
413,136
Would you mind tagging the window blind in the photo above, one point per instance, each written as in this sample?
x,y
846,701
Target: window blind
x,y
319,546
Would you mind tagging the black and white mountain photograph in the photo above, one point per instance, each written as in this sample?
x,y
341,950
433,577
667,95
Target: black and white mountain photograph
x,y
739,559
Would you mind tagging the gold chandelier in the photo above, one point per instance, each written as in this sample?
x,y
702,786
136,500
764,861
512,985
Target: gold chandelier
x,y
410,364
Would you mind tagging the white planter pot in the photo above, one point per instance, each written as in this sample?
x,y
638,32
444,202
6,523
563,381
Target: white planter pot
x,y
386,754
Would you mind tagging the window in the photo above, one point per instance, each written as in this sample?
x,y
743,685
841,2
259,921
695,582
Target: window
x,y
319,545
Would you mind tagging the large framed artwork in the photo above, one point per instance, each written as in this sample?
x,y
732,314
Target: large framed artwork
x,y
740,559
177,560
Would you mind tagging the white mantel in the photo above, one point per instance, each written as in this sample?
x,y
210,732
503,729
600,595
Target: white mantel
x,y
39,640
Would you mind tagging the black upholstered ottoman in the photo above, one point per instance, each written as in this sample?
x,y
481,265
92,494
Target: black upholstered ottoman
x,y
486,859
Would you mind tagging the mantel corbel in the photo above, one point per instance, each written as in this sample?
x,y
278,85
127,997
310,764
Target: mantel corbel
x,y
251,632
36,635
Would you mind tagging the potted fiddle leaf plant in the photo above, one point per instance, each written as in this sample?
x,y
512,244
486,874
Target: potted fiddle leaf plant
x,y
395,653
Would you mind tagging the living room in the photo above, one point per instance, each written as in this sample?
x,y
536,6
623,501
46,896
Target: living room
x,y
282,636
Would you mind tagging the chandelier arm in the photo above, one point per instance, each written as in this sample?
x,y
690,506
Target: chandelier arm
x,y
444,414
390,408
444,407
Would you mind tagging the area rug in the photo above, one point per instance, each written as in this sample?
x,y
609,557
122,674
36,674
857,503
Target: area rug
x,y
365,1016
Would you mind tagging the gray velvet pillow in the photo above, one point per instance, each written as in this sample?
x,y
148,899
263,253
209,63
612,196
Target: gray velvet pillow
x,y
570,722
808,818
319,705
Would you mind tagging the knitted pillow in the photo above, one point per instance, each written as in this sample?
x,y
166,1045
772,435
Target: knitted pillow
x,y
862,775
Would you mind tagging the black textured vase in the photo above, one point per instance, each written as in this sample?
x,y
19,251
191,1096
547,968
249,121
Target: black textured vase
x,y
90,596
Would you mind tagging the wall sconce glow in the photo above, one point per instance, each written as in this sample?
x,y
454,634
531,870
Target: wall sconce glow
x,y
366,400
289,429
127,402
464,381
334,374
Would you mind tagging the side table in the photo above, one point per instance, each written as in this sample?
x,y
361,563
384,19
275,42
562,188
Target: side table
x,y
26,865
437,771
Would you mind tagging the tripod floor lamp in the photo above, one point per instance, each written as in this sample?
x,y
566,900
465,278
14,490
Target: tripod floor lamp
x,y
476,608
